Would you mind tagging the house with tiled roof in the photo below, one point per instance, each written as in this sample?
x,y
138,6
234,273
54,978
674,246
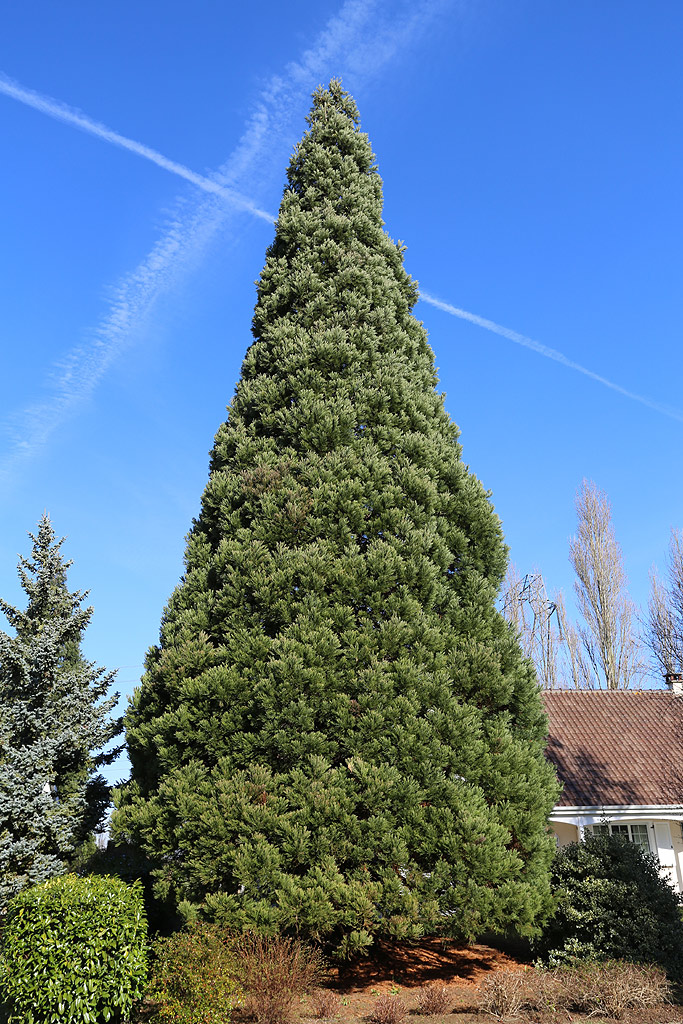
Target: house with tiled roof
x,y
619,757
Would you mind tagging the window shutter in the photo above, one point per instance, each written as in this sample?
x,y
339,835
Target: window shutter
x,y
665,851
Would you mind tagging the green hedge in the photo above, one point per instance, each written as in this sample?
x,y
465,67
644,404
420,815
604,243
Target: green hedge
x,y
73,951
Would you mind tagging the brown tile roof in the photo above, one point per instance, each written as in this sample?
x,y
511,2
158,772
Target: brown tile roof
x,y
614,747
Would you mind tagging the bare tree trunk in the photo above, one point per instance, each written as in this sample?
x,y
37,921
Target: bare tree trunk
x,y
611,654
527,607
513,605
575,670
664,622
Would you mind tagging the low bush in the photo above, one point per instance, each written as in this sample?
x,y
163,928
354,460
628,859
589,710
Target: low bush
x,y
325,1004
193,977
388,1009
433,998
504,993
612,904
73,951
275,971
613,987
609,988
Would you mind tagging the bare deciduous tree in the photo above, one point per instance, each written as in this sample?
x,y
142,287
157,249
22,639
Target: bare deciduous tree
x,y
610,655
547,635
664,623
574,669
534,615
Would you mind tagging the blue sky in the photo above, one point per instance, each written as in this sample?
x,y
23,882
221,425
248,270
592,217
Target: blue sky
x,y
532,161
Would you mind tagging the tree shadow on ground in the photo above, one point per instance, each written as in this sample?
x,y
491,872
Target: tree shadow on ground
x,y
412,964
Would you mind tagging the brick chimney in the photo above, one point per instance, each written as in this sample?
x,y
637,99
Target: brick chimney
x,y
674,680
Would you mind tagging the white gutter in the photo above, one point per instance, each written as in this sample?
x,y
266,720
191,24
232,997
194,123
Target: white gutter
x,y
593,815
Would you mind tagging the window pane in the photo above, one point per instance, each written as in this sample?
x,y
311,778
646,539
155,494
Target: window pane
x,y
640,837
637,833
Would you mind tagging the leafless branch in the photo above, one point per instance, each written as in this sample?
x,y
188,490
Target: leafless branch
x,y
610,650
663,631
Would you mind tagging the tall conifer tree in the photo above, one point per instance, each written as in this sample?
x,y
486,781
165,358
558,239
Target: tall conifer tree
x,y
54,722
337,734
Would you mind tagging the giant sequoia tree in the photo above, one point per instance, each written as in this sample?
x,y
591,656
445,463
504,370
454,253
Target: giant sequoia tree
x,y
337,734
54,722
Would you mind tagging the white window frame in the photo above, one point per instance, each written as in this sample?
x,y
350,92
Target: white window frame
x,y
629,829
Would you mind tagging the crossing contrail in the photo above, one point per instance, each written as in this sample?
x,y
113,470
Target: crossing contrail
x,y
61,112
549,353
359,40
68,115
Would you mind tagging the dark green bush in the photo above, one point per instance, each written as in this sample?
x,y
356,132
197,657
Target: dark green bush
x,y
193,977
612,905
73,952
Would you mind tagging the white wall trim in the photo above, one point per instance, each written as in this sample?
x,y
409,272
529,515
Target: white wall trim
x,y
624,812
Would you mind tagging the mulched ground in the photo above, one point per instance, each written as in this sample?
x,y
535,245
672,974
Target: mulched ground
x,y
402,969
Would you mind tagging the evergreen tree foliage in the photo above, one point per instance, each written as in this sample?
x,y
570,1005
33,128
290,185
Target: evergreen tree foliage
x,y
337,734
54,722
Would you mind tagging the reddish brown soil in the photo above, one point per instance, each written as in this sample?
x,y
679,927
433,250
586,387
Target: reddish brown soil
x,y
402,969
431,960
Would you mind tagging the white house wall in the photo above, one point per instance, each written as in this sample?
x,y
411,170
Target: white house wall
x,y
565,832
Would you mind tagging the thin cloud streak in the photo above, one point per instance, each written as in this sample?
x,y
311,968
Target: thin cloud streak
x,y
355,43
61,112
548,353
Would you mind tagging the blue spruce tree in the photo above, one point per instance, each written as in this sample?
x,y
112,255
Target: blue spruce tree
x,y
54,723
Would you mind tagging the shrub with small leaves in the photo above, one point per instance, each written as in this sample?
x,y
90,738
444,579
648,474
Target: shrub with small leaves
x,y
73,951
389,1009
325,1004
275,971
194,977
433,998
612,904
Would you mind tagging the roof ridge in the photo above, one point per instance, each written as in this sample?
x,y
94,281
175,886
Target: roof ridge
x,y
592,693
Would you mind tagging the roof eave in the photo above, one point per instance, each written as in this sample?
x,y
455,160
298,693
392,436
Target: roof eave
x,y
632,811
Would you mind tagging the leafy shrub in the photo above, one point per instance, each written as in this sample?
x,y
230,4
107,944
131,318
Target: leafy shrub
x,y
613,905
193,977
325,1003
609,988
275,971
129,864
73,952
388,1010
433,998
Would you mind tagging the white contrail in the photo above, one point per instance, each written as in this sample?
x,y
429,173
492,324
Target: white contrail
x,y
549,353
356,43
61,112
